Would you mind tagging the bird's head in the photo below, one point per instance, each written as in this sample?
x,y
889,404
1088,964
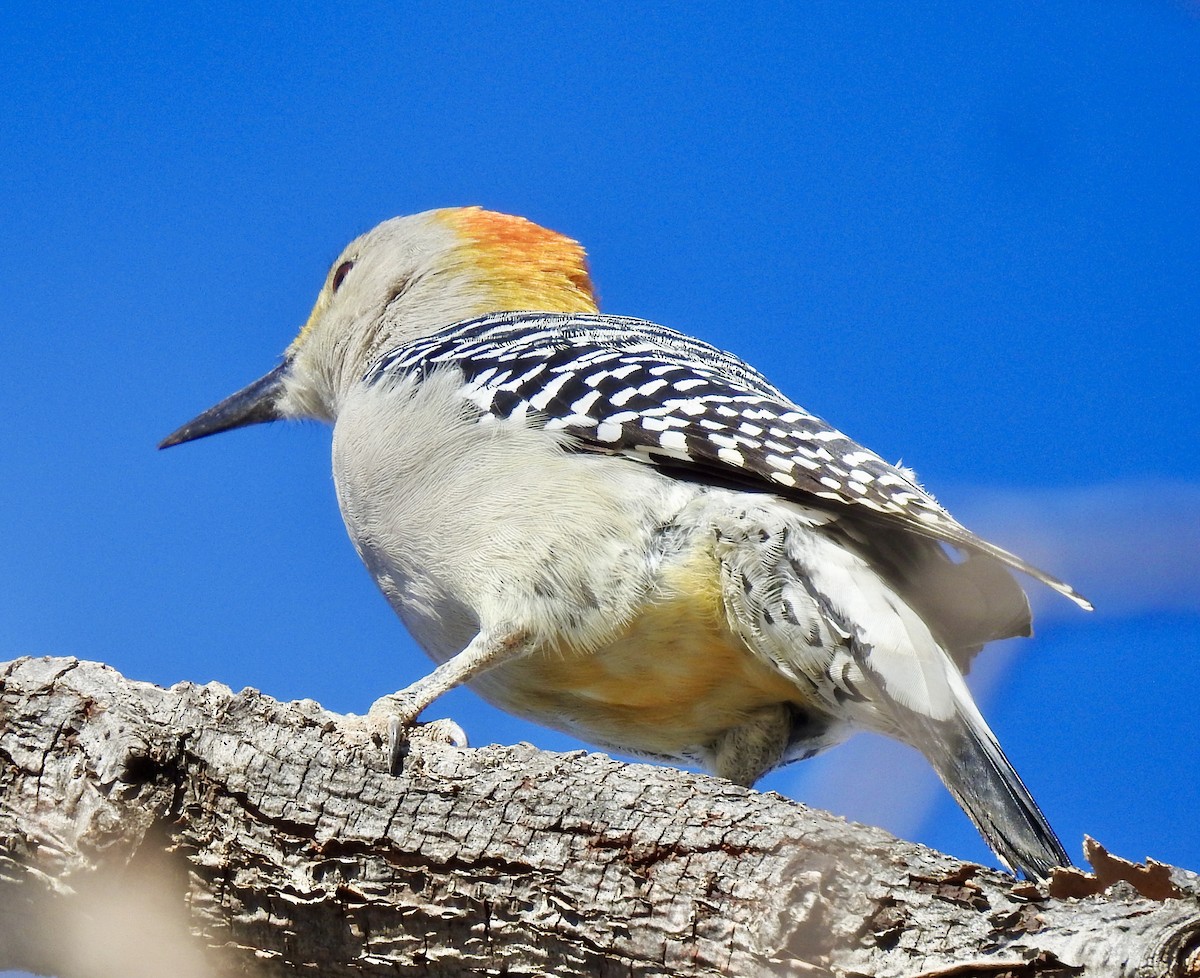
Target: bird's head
x,y
404,279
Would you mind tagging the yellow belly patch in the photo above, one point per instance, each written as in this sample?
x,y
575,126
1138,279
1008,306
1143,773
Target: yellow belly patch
x,y
674,678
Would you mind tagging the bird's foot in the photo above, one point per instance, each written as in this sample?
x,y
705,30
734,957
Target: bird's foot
x,y
399,720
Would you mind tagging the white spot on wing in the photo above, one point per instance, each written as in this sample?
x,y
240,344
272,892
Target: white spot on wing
x,y
608,431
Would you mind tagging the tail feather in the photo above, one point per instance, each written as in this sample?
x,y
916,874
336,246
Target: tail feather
x,y
968,759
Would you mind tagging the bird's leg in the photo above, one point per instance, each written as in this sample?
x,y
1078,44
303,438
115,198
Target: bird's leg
x,y
487,649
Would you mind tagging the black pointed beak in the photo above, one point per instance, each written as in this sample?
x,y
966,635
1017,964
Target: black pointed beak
x,y
253,404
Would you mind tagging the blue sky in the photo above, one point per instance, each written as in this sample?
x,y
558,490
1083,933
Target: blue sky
x,y
965,234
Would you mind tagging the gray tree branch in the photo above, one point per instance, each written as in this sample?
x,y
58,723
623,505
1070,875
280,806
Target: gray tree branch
x,y
193,831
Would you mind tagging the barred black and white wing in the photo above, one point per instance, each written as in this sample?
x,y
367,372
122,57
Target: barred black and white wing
x,y
631,387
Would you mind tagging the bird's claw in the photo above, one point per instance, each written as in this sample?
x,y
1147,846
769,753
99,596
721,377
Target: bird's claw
x,y
444,731
397,741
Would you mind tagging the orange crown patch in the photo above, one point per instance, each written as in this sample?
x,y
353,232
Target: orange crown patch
x,y
524,265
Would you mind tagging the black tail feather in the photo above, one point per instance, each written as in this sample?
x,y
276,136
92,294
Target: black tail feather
x,y
971,764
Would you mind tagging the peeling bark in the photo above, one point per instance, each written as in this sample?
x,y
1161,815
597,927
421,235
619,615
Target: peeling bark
x,y
194,831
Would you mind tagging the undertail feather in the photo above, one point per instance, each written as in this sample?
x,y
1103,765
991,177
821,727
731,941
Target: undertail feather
x,y
971,764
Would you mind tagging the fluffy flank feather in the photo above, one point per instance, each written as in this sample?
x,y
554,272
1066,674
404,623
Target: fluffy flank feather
x,y
524,266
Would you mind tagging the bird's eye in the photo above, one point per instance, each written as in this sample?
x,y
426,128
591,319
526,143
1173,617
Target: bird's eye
x,y
340,274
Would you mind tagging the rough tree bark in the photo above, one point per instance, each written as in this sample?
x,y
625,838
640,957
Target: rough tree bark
x,y
195,831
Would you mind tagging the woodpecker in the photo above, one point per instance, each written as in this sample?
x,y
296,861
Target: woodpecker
x,y
616,530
